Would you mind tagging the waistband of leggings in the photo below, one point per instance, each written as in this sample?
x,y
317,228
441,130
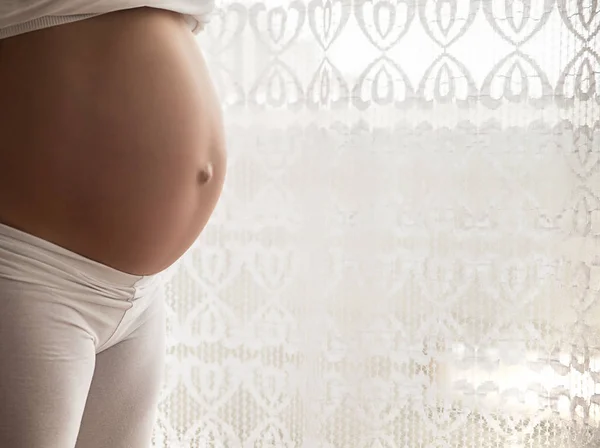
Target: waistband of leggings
x,y
33,253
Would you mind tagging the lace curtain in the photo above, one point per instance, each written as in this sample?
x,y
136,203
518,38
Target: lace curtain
x,y
407,251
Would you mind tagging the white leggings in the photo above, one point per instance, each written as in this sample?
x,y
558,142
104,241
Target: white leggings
x,y
81,349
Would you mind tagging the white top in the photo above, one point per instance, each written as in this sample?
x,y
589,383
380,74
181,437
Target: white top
x,y
22,16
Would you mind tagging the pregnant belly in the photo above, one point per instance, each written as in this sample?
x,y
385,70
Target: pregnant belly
x,y
111,142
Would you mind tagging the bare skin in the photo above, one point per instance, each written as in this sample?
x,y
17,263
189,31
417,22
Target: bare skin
x,y
111,139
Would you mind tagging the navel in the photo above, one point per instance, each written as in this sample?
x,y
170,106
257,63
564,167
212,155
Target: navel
x,y
205,174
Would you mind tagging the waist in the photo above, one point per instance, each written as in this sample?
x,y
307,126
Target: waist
x,y
25,258
105,128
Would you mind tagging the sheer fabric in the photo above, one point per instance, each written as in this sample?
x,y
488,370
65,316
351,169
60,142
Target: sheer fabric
x,y
407,253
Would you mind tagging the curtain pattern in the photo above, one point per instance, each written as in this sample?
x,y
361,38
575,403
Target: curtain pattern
x,y
407,251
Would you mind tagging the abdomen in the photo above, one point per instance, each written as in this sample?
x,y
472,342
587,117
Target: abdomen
x,y
106,128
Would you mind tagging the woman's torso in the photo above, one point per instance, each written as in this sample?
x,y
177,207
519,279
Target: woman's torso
x,y
107,128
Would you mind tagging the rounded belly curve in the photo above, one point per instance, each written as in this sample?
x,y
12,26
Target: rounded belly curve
x,y
111,139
